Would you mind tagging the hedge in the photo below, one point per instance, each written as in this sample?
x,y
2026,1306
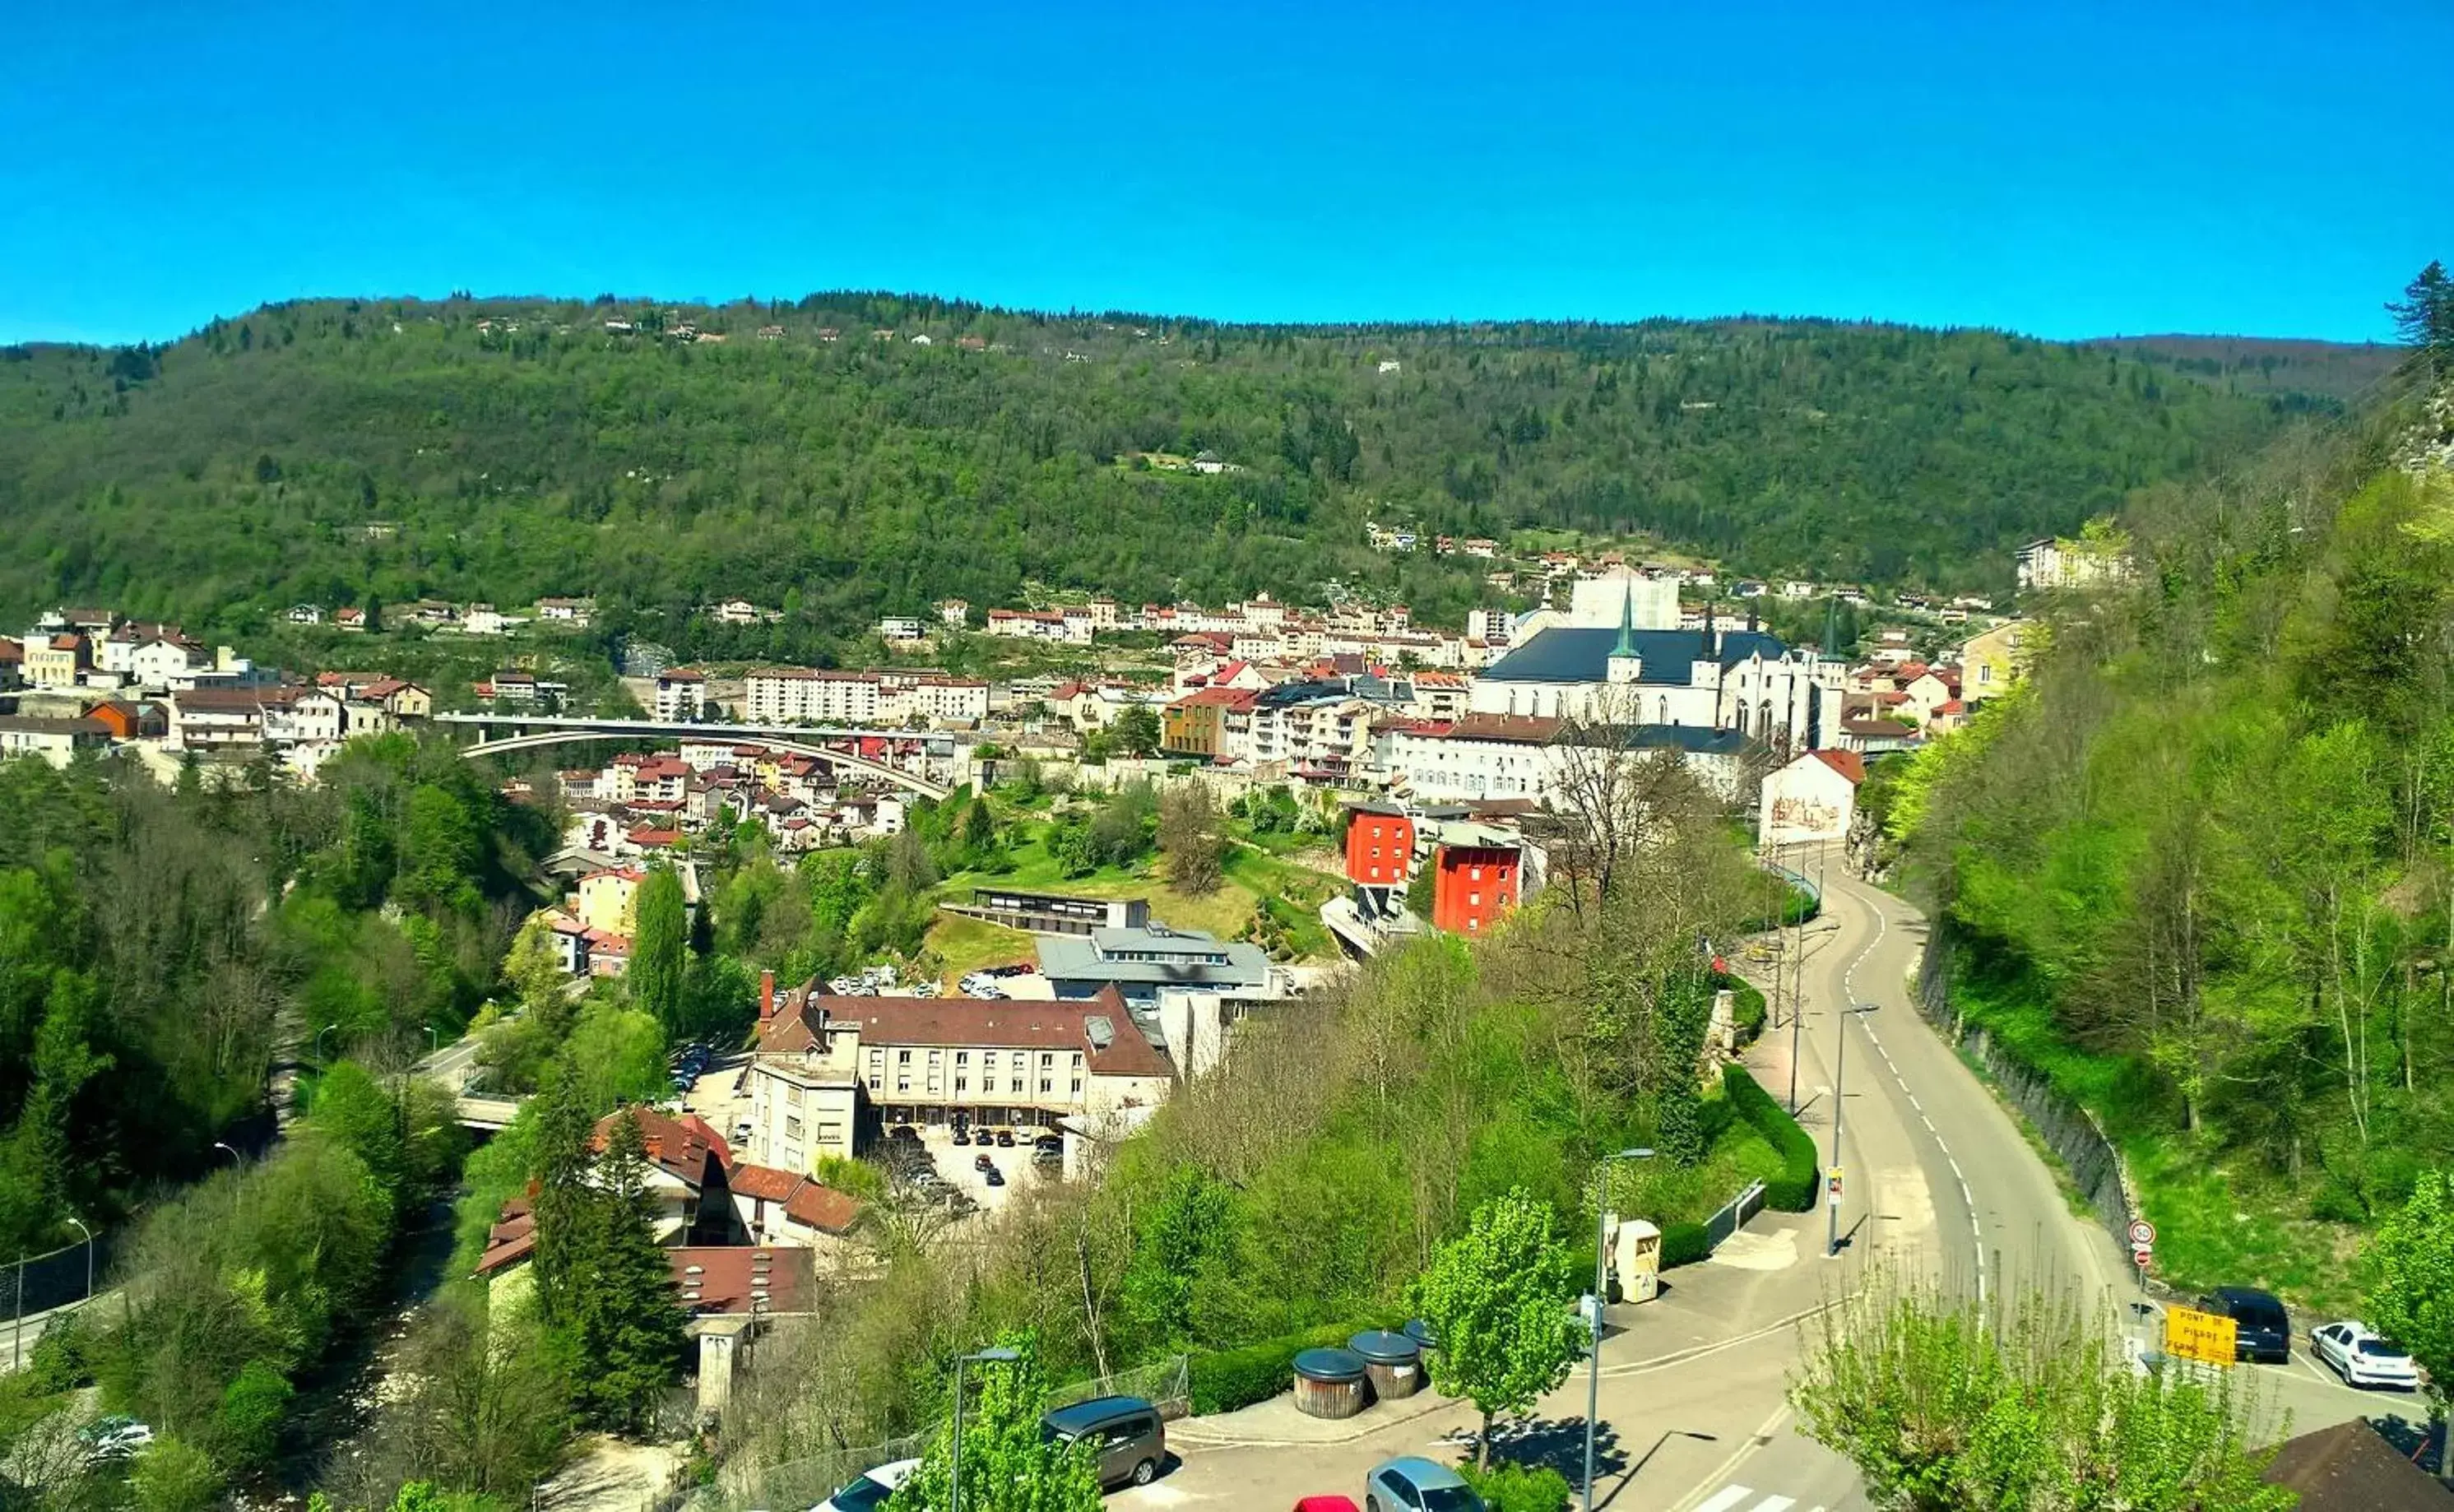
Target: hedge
x,y
1225,1380
1746,1008
1507,1487
1685,1244
1794,1190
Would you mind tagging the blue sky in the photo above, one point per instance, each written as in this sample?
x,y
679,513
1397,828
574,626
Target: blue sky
x,y
2062,169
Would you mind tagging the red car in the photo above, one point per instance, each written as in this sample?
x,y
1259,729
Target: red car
x,y
1325,1504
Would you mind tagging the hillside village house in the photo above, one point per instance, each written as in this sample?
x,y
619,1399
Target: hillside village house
x,y
56,661
1810,800
57,741
1992,660
825,1066
609,899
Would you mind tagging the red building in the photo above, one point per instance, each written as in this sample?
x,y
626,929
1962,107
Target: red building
x,y
1380,846
1474,884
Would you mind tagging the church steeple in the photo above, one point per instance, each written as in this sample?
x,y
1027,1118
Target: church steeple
x,y
1625,665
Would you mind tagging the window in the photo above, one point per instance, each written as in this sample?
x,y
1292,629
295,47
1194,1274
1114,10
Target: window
x,y
963,1083
1046,1060
902,1084
1474,899
792,1128
1017,1084
1077,1086
903,1057
876,1081
1477,875
791,1095
963,1058
1046,1086
935,1057
1472,925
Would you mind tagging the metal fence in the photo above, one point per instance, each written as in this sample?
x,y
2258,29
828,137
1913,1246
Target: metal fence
x,y
33,1286
1734,1215
807,1481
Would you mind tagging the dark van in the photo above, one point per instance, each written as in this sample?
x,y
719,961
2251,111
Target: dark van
x,y
2260,1330
1124,1434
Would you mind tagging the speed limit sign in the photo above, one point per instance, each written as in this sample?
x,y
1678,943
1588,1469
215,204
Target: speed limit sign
x,y
2143,1234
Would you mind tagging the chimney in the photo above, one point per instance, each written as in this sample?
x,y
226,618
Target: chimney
x,y
766,996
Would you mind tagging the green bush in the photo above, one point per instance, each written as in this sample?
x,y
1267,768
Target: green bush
x,y
1507,1487
1747,1007
1225,1380
174,1477
248,1429
1793,1191
1685,1244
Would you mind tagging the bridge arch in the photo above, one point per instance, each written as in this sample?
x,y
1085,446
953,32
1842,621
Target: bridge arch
x,y
839,758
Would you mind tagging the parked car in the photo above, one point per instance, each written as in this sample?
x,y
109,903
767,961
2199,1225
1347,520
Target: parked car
x,y
962,1136
114,1437
1412,1483
1325,1504
2262,1330
992,1177
868,1491
2362,1359
1044,1156
982,1162
1125,1434
1005,1138
1050,1141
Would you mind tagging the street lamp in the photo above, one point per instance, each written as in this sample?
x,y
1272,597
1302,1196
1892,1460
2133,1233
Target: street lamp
x,y
88,1252
237,1159
1840,1066
319,1041
999,1356
1601,1296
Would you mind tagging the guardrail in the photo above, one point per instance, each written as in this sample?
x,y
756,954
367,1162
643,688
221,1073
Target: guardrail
x,y
1734,1215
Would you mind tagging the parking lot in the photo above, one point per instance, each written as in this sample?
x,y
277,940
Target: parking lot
x,y
958,1165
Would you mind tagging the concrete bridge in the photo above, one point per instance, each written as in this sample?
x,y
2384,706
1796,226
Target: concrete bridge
x,y
546,730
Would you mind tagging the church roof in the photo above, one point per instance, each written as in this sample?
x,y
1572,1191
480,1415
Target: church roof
x,y
1582,653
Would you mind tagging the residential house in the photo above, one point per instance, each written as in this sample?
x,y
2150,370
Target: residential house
x,y
954,613
565,610
350,618
56,740
1874,735
609,899
899,630
305,614
1992,660
58,661
1137,961
1195,724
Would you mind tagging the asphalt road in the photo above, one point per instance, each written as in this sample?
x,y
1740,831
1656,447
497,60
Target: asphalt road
x,y
1940,1182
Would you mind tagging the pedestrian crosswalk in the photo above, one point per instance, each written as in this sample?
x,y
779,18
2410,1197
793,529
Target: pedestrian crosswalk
x,y
1735,1499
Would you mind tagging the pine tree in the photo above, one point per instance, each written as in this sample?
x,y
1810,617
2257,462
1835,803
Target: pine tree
x,y
566,1210
2424,317
624,1318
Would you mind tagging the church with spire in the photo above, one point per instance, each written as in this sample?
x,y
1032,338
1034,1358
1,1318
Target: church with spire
x,y
1628,672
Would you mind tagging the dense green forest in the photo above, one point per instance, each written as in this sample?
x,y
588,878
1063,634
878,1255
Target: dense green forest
x,y
2200,868
346,452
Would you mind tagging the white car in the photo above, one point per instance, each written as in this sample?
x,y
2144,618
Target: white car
x,y
870,1490
2362,1359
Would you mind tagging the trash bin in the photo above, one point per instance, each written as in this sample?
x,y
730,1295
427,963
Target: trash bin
x,y
1392,1362
1426,1344
1637,1256
1330,1383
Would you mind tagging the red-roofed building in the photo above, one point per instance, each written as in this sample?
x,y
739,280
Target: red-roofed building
x,y
785,1207
1196,725
823,1062
689,1167
1812,801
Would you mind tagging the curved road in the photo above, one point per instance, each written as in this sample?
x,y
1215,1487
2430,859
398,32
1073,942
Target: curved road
x,y
1939,1181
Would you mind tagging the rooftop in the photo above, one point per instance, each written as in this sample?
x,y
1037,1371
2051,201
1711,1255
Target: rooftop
x,y
1667,658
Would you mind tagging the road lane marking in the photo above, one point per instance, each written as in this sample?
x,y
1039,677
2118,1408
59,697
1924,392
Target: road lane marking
x,y
1726,1498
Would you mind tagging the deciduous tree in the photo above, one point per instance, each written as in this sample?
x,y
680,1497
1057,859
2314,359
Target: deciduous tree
x,y
1500,1299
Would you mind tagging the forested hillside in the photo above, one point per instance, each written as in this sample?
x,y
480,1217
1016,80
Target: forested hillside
x,y
499,451
2200,868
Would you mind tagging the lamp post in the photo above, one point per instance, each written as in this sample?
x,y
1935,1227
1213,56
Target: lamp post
x,y
319,1041
88,1252
999,1356
1601,1295
237,1159
1840,1065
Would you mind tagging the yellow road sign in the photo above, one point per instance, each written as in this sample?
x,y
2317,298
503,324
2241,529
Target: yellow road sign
x,y
2208,1338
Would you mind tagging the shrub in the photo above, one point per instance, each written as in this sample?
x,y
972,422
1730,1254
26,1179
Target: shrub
x,y
1747,1007
174,1477
1225,1380
248,1428
1685,1244
1507,1487
1793,1191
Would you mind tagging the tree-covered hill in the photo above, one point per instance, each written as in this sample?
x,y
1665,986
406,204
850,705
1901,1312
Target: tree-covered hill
x,y
2198,869
499,449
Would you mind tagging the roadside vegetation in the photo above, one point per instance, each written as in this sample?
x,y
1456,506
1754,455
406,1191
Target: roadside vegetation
x,y
2198,868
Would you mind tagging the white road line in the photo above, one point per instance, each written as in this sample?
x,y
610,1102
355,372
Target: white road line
x,y
1726,1498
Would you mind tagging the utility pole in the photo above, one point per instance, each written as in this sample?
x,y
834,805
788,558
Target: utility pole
x,y
997,1356
1601,1297
1840,1064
